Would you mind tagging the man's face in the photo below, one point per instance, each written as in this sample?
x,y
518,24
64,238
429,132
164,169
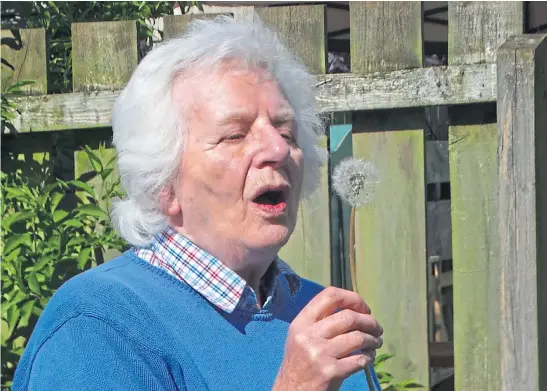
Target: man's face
x,y
241,173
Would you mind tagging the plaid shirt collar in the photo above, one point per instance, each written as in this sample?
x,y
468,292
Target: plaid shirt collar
x,y
220,285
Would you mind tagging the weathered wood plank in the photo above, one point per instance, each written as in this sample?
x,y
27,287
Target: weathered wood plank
x,y
336,93
522,121
476,29
308,252
104,55
302,29
391,248
24,52
388,35
391,233
175,25
473,174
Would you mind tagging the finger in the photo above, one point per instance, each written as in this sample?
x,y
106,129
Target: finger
x,y
352,364
345,321
327,302
355,341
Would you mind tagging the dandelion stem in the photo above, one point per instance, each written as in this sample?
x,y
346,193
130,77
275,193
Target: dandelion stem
x,y
353,274
352,250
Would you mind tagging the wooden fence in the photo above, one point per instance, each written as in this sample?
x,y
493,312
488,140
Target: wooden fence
x,y
498,167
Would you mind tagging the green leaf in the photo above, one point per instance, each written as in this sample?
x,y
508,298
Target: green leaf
x,y
26,312
43,261
19,275
17,192
33,284
91,210
382,358
409,384
12,318
83,258
15,241
16,87
6,334
76,240
106,173
53,5
94,159
55,200
83,186
59,215
13,218
10,302
72,223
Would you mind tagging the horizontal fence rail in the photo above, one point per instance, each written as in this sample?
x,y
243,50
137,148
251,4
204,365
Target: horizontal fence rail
x,y
419,87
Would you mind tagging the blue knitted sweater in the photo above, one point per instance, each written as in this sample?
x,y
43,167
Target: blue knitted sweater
x,y
127,325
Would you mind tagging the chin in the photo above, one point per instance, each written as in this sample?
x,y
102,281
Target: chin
x,y
272,236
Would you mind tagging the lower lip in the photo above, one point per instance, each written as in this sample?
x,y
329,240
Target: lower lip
x,y
272,210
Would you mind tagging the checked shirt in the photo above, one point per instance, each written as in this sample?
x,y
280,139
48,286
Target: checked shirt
x,y
221,286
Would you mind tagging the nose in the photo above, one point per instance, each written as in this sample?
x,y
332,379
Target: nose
x,y
273,148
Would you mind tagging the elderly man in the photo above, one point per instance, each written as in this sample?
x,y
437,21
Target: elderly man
x,y
216,137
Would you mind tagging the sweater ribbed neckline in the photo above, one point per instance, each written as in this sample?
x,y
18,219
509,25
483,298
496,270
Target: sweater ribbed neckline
x,y
262,315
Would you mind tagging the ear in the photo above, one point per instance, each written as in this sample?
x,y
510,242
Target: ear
x,y
169,203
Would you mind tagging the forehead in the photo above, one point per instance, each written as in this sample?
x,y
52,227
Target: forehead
x,y
231,90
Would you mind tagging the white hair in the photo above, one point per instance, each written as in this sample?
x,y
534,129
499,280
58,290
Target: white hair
x,y
149,131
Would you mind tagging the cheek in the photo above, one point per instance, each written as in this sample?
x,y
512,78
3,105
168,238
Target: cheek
x,y
214,176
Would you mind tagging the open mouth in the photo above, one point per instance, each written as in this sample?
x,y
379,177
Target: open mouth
x,y
270,197
272,201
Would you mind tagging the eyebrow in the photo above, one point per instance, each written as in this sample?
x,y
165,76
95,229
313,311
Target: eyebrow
x,y
233,116
238,115
284,116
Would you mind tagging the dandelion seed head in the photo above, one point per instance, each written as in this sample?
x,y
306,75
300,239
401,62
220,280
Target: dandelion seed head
x,y
355,180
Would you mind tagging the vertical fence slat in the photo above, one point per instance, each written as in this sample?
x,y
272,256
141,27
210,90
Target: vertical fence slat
x,y
385,36
473,168
476,30
522,103
25,51
24,54
390,247
391,233
104,55
303,30
175,25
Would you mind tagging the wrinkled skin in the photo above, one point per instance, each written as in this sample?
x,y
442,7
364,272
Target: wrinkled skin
x,y
242,136
333,337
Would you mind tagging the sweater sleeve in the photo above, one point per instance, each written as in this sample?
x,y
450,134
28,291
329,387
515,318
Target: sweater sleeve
x,y
86,354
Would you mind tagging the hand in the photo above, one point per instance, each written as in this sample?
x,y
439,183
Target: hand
x,y
324,346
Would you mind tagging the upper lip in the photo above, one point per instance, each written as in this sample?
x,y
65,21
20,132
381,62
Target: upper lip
x,y
283,188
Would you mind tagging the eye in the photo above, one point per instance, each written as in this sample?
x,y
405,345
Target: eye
x,y
235,137
288,137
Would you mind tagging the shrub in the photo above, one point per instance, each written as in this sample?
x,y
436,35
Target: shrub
x,y
51,231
